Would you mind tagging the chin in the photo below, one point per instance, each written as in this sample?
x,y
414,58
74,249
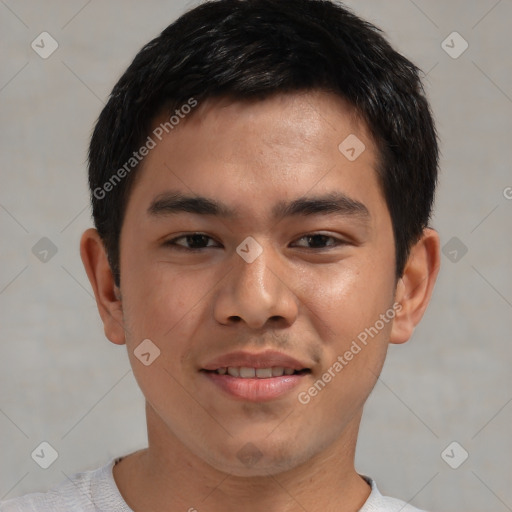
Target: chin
x,y
254,460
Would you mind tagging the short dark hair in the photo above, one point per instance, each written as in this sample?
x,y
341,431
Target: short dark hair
x,y
253,49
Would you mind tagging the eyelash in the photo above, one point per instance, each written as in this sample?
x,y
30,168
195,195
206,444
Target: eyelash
x,y
172,242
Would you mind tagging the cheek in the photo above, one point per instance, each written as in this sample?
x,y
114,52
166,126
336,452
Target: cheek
x,y
171,309
158,294
346,298
164,307
162,303
346,308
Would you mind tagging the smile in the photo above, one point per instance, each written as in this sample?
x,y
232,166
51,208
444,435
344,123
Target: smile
x,y
255,384
244,372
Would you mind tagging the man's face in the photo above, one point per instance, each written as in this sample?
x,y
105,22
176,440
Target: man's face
x,y
325,274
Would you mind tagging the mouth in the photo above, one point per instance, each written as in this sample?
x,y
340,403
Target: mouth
x,y
255,377
255,384
244,372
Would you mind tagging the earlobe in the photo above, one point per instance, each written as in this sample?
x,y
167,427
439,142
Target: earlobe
x,y
108,296
414,288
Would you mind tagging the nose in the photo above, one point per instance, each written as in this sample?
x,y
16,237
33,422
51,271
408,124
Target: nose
x,y
256,293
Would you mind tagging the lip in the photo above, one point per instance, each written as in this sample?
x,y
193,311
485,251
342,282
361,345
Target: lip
x,y
266,359
255,389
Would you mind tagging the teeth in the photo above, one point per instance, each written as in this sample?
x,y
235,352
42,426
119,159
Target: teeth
x,y
247,373
244,372
263,373
234,372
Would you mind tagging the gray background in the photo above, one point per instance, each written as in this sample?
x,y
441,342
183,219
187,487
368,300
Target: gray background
x,y
63,382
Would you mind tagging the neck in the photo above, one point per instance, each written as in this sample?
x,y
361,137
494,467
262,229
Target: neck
x,y
168,477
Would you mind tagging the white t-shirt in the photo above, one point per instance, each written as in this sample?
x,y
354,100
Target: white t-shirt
x,y
96,491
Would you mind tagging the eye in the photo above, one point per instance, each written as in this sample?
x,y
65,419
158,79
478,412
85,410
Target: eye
x,y
198,241
194,241
320,241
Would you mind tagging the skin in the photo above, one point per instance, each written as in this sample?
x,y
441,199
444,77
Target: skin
x,y
309,303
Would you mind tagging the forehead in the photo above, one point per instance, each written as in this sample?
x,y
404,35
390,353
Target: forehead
x,y
295,121
249,153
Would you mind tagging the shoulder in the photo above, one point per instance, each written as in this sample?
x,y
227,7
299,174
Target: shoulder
x,y
376,502
34,502
78,493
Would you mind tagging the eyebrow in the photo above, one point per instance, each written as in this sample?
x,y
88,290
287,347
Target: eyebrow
x,y
335,203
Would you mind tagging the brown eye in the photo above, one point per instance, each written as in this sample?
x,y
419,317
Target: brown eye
x,y
192,241
320,241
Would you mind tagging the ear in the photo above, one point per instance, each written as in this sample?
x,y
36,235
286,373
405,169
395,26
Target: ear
x,y
414,288
107,294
